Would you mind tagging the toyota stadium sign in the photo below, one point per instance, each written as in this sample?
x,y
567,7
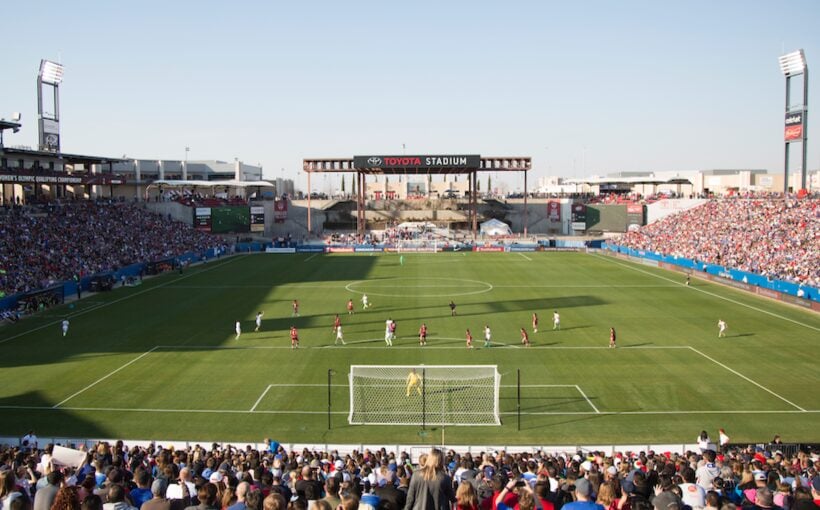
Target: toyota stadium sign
x,y
418,162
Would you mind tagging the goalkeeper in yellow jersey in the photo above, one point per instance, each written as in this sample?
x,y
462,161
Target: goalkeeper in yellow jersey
x,y
413,381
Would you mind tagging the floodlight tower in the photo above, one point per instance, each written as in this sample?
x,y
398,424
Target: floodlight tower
x,y
793,64
51,74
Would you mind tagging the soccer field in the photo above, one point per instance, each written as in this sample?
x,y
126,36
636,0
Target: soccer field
x,y
160,360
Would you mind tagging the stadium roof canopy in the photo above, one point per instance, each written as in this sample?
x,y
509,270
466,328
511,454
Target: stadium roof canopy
x,y
70,159
629,180
233,183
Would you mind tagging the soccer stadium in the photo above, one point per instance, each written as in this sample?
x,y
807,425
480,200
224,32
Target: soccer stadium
x,y
426,329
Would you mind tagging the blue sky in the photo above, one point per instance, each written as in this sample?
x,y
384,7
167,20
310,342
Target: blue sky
x,y
600,86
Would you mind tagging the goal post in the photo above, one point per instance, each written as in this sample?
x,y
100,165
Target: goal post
x,y
435,395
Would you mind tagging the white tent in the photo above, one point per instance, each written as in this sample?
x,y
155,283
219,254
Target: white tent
x,y
495,228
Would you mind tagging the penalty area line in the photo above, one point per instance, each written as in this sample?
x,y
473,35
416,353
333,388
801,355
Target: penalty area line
x,y
525,256
587,399
260,398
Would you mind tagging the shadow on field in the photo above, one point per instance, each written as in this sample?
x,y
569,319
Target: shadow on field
x,y
26,411
544,404
525,425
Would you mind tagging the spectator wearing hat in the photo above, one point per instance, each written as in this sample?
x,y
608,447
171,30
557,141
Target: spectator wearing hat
x,y
583,497
158,500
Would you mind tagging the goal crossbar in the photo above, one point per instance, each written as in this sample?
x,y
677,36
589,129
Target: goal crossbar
x,y
424,395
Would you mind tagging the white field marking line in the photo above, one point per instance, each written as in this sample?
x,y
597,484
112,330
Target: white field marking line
x,y
587,399
271,286
83,312
524,256
260,398
540,385
292,411
710,293
311,256
101,379
713,360
586,286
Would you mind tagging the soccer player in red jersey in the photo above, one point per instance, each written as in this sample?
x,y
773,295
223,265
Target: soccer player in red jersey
x,y
294,338
423,334
525,339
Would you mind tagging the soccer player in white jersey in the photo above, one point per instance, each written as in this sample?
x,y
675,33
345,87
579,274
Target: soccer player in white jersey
x,y
238,328
258,321
388,333
339,337
365,304
64,325
488,335
556,320
721,328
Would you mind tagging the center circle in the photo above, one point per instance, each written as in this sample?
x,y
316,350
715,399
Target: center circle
x,y
425,287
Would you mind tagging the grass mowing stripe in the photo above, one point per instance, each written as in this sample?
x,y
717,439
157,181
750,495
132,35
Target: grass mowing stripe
x,y
761,310
713,360
295,411
103,378
77,314
496,345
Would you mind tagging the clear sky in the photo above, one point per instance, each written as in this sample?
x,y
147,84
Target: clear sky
x,y
583,87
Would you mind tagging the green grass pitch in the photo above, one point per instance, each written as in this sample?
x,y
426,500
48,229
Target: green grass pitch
x,y
160,360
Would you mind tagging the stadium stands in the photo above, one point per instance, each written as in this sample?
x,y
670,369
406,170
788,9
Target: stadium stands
x,y
776,238
240,478
58,242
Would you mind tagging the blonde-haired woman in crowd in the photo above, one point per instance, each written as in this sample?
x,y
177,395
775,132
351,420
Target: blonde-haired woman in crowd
x,y
430,487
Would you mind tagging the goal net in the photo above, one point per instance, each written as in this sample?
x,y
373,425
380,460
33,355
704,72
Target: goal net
x,y
418,246
432,395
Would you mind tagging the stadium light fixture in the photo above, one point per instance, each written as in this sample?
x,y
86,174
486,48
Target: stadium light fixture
x,y
51,72
793,63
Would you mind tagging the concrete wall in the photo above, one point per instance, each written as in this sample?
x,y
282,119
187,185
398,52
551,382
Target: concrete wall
x,y
177,211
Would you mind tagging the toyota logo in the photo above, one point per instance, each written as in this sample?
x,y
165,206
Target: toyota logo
x,y
374,161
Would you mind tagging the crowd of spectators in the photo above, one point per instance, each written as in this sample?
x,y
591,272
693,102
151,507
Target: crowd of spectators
x,y
776,238
118,477
61,242
192,199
